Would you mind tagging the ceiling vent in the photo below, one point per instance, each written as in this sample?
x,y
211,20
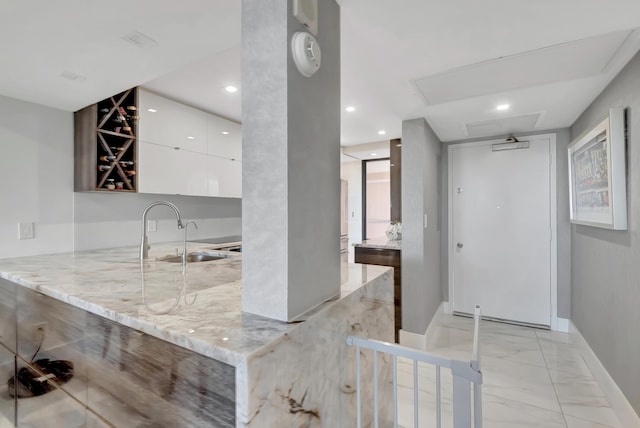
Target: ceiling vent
x,y
506,125
562,62
73,77
140,40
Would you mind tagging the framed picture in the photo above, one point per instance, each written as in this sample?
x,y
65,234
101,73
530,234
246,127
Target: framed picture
x,y
597,175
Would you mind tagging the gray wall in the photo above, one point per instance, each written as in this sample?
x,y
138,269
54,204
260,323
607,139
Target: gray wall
x,y
606,264
36,172
291,163
36,169
563,226
421,285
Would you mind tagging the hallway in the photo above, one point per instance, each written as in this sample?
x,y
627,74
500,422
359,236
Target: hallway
x,y
532,378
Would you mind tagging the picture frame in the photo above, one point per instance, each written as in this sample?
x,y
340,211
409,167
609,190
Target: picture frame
x,y
597,175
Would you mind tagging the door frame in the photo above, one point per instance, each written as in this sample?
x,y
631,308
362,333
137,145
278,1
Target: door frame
x,y
553,322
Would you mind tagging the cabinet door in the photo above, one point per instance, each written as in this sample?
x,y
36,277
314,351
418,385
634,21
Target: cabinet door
x,y
224,177
172,124
228,145
169,171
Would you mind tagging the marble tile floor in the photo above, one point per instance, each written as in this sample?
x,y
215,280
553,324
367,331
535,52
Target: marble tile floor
x,y
532,378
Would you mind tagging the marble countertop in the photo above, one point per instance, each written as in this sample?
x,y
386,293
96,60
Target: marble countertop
x,y
381,243
203,305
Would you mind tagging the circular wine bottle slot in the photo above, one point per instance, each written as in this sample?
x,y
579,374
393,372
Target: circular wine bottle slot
x,y
132,108
110,184
107,158
104,168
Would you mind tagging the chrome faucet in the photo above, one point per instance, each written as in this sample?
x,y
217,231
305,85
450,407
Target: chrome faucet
x,y
184,244
144,243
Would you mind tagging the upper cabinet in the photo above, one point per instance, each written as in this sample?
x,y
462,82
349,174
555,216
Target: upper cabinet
x,y
186,151
141,141
171,124
224,138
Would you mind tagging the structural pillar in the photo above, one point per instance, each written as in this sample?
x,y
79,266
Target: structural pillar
x,y
290,163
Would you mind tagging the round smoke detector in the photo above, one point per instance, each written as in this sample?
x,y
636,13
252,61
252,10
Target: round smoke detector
x,y
306,53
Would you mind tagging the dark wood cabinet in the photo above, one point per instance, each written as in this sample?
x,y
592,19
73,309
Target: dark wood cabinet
x,y
386,257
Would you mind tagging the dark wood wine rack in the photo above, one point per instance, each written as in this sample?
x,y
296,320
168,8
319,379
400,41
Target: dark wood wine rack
x,y
105,144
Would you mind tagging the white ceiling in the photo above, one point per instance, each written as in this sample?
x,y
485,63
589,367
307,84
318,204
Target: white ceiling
x,y
386,47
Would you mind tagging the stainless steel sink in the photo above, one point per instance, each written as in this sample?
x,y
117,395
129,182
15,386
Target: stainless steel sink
x,y
194,257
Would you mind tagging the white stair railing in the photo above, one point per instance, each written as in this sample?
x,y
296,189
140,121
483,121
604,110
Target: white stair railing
x,y
464,373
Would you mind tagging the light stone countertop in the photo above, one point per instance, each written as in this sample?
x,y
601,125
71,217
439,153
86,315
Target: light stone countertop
x,y
207,316
380,243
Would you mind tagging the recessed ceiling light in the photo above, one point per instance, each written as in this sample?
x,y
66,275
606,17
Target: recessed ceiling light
x,y
225,338
191,137
350,109
374,154
152,110
225,132
231,89
382,132
502,107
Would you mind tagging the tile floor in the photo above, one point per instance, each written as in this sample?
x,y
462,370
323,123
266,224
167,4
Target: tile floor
x,y
531,378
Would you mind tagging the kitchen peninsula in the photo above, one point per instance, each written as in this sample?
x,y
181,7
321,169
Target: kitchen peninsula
x,y
154,347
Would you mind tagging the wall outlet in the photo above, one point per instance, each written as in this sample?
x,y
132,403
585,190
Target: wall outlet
x,y
26,230
426,221
38,331
152,225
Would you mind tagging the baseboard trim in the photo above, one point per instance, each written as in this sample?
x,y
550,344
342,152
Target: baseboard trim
x,y
562,324
621,406
419,341
447,308
412,340
441,310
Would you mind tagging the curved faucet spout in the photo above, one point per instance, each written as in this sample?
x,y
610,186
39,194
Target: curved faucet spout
x,y
144,241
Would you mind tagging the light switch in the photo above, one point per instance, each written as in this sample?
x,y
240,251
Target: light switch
x,y
152,225
425,221
26,230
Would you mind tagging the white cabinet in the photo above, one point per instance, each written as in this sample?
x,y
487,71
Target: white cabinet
x,y
224,177
224,138
169,123
186,151
169,171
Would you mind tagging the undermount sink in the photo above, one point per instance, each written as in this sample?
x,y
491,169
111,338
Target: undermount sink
x,y
194,257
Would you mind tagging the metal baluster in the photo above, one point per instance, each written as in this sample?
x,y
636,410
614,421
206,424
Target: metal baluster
x,y
395,391
375,389
415,393
438,399
359,415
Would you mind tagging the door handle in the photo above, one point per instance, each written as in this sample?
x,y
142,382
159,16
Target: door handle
x,y
459,245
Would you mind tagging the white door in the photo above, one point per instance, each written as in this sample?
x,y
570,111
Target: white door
x,y
501,231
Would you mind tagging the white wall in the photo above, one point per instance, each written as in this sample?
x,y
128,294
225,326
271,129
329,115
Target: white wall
x,y
36,176
352,172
